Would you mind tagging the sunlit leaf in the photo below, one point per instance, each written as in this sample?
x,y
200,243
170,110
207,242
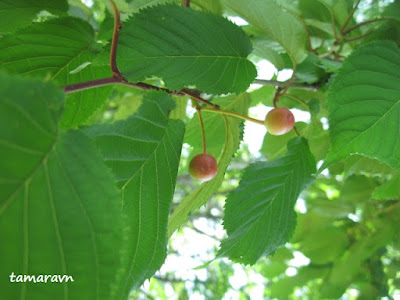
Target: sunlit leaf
x,y
186,47
364,105
278,23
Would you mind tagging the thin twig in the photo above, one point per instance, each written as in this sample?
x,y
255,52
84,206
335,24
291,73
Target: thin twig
x,y
347,31
113,54
81,86
359,37
296,131
297,99
281,92
194,228
277,95
346,22
193,94
290,81
282,84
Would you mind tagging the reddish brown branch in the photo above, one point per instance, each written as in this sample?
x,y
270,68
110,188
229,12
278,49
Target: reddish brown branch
x,y
186,3
347,31
192,94
81,86
113,54
76,87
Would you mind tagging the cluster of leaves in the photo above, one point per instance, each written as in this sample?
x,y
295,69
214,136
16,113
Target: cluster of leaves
x,y
87,179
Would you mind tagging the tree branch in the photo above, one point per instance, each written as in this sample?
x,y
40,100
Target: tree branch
x,y
347,31
346,22
81,86
194,228
76,87
113,54
186,3
283,84
359,37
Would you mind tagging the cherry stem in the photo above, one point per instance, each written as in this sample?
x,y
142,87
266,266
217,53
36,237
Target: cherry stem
x,y
233,114
203,134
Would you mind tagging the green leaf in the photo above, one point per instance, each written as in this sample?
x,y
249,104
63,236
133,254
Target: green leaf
x,y
364,105
338,8
179,111
284,287
199,197
276,22
61,49
19,13
80,106
324,245
357,188
143,152
358,164
57,200
266,48
314,10
272,269
274,146
259,214
44,49
332,208
186,47
213,6
389,190
307,223
309,70
323,27
348,266
263,95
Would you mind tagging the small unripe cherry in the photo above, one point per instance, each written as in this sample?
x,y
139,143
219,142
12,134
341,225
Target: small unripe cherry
x,y
279,121
203,167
